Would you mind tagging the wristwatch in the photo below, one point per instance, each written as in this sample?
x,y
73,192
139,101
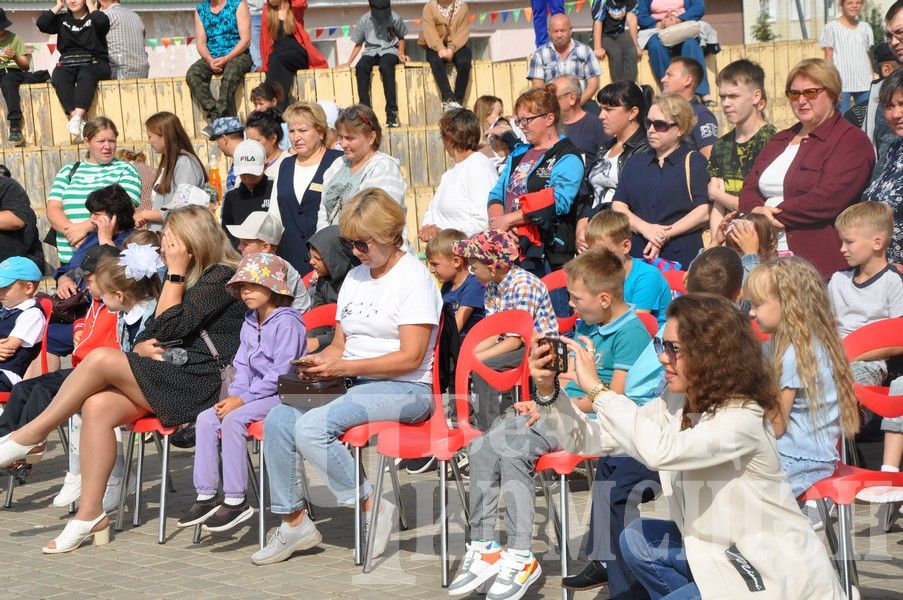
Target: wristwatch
x,y
175,278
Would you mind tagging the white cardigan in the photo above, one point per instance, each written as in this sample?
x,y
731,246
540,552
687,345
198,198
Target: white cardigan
x,y
743,531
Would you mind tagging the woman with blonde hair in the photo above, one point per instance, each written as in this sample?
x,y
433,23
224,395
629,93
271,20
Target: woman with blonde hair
x,y
817,401
298,184
806,175
664,190
388,317
113,388
178,164
285,46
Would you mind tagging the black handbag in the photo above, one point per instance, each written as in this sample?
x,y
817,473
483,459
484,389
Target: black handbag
x,y
67,310
309,393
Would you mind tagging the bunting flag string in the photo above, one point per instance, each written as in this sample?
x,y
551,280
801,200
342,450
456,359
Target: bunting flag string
x,y
343,31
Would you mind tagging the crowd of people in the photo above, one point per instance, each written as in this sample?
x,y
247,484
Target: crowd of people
x,y
788,235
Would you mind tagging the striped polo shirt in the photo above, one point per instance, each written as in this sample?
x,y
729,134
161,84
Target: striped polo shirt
x,y
87,178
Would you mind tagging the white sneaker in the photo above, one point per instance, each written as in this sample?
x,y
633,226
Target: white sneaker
x,y
881,494
479,566
516,575
76,124
70,492
114,490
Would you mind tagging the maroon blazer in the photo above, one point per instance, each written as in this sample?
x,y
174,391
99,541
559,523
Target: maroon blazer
x,y
829,173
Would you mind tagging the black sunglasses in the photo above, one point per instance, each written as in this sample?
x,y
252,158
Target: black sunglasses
x,y
659,125
360,246
666,347
353,114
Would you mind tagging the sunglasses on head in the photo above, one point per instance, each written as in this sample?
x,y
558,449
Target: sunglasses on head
x,y
667,347
659,125
359,245
353,114
808,93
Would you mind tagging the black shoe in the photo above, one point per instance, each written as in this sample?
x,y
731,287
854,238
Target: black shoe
x,y
392,120
199,512
15,137
415,466
183,438
228,516
592,576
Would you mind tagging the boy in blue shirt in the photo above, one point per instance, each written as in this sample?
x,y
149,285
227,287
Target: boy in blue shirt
x,y
21,319
645,287
460,288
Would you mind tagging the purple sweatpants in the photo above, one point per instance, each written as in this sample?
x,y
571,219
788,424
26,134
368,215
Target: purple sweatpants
x,y
234,428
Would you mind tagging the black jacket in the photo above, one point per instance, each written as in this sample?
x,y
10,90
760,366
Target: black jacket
x,y
635,144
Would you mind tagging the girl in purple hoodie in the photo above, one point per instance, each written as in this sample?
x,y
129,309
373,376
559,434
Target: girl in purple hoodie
x,y
271,336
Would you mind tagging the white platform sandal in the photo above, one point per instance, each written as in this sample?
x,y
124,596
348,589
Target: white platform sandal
x,y
12,451
77,533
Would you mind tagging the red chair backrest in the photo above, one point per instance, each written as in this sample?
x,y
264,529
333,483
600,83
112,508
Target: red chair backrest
x,y
47,308
321,316
650,322
675,281
886,333
557,280
518,322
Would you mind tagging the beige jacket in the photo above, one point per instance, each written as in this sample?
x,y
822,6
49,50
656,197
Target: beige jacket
x,y
744,534
439,32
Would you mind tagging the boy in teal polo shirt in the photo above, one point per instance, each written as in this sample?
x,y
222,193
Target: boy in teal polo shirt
x,y
645,287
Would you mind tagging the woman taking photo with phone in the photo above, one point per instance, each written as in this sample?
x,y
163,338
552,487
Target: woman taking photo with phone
x,y
113,388
735,526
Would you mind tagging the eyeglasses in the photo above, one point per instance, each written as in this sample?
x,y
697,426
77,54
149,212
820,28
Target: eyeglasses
x,y
891,35
808,93
353,114
526,120
666,347
359,245
659,125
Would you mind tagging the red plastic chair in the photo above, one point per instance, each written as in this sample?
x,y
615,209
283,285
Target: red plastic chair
x,y
887,333
434,437
675,281
321,316
557,280
139,428
650,322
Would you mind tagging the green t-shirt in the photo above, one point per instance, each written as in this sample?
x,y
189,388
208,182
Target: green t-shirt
x,y
732,162
13,41
88,177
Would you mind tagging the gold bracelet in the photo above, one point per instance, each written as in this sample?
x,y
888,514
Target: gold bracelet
x,y
598,389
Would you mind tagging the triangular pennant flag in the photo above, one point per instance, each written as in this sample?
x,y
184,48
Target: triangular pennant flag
x,y
483,17
319,31
332,30
153,43
416,22
528,12
178,40
516,15
473,17
346,29
166,42
190,39
505,16
493,17
51,47
579,6
569,7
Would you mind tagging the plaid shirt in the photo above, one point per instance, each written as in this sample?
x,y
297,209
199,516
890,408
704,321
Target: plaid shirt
x,y
580,61
520,290
128,57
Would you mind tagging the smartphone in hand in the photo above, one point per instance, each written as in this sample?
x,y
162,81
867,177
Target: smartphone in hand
x,y
559,352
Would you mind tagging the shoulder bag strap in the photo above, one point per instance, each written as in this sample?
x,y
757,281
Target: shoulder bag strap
x,y
687,172
210,346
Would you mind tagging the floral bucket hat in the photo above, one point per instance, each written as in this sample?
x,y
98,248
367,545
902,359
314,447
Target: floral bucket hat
x,y
264,269
493,247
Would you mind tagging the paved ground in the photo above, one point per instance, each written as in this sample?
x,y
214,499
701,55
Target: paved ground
x,y
135,566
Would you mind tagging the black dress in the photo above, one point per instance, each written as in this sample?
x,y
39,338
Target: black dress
x,y
178,393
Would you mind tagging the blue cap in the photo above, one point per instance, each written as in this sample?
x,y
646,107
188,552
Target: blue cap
x,y
18,268
225,125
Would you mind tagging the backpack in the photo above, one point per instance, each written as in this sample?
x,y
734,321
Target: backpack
x,y
449,344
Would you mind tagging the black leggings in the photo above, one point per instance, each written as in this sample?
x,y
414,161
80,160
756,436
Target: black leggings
x,y
462,59
75,86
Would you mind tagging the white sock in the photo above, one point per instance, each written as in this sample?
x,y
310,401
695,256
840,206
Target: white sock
x,y
889,469
202,497
234,501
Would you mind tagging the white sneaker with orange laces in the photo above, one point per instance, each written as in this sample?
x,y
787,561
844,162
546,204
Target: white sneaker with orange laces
x,y
481,562
517,573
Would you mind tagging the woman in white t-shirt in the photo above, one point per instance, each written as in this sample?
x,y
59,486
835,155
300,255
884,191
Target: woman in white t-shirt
x,y
846,42
460,200
386,330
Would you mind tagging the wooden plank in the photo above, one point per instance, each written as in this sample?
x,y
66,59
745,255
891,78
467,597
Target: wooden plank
x,y
191,115
436,156
410,201
519,81
423,102
377,97
58,120
418,167
409,106
147,100
243,102
36,118
645,76
482,83
132,121
306,87
14,160
110,106
395,142
501,78
343,85
323,88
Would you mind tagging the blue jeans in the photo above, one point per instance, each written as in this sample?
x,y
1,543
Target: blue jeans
x,y
654,551
660,58
255,43
290,435
847,99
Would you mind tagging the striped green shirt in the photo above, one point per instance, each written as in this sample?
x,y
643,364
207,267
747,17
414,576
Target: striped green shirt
x,y
89,177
